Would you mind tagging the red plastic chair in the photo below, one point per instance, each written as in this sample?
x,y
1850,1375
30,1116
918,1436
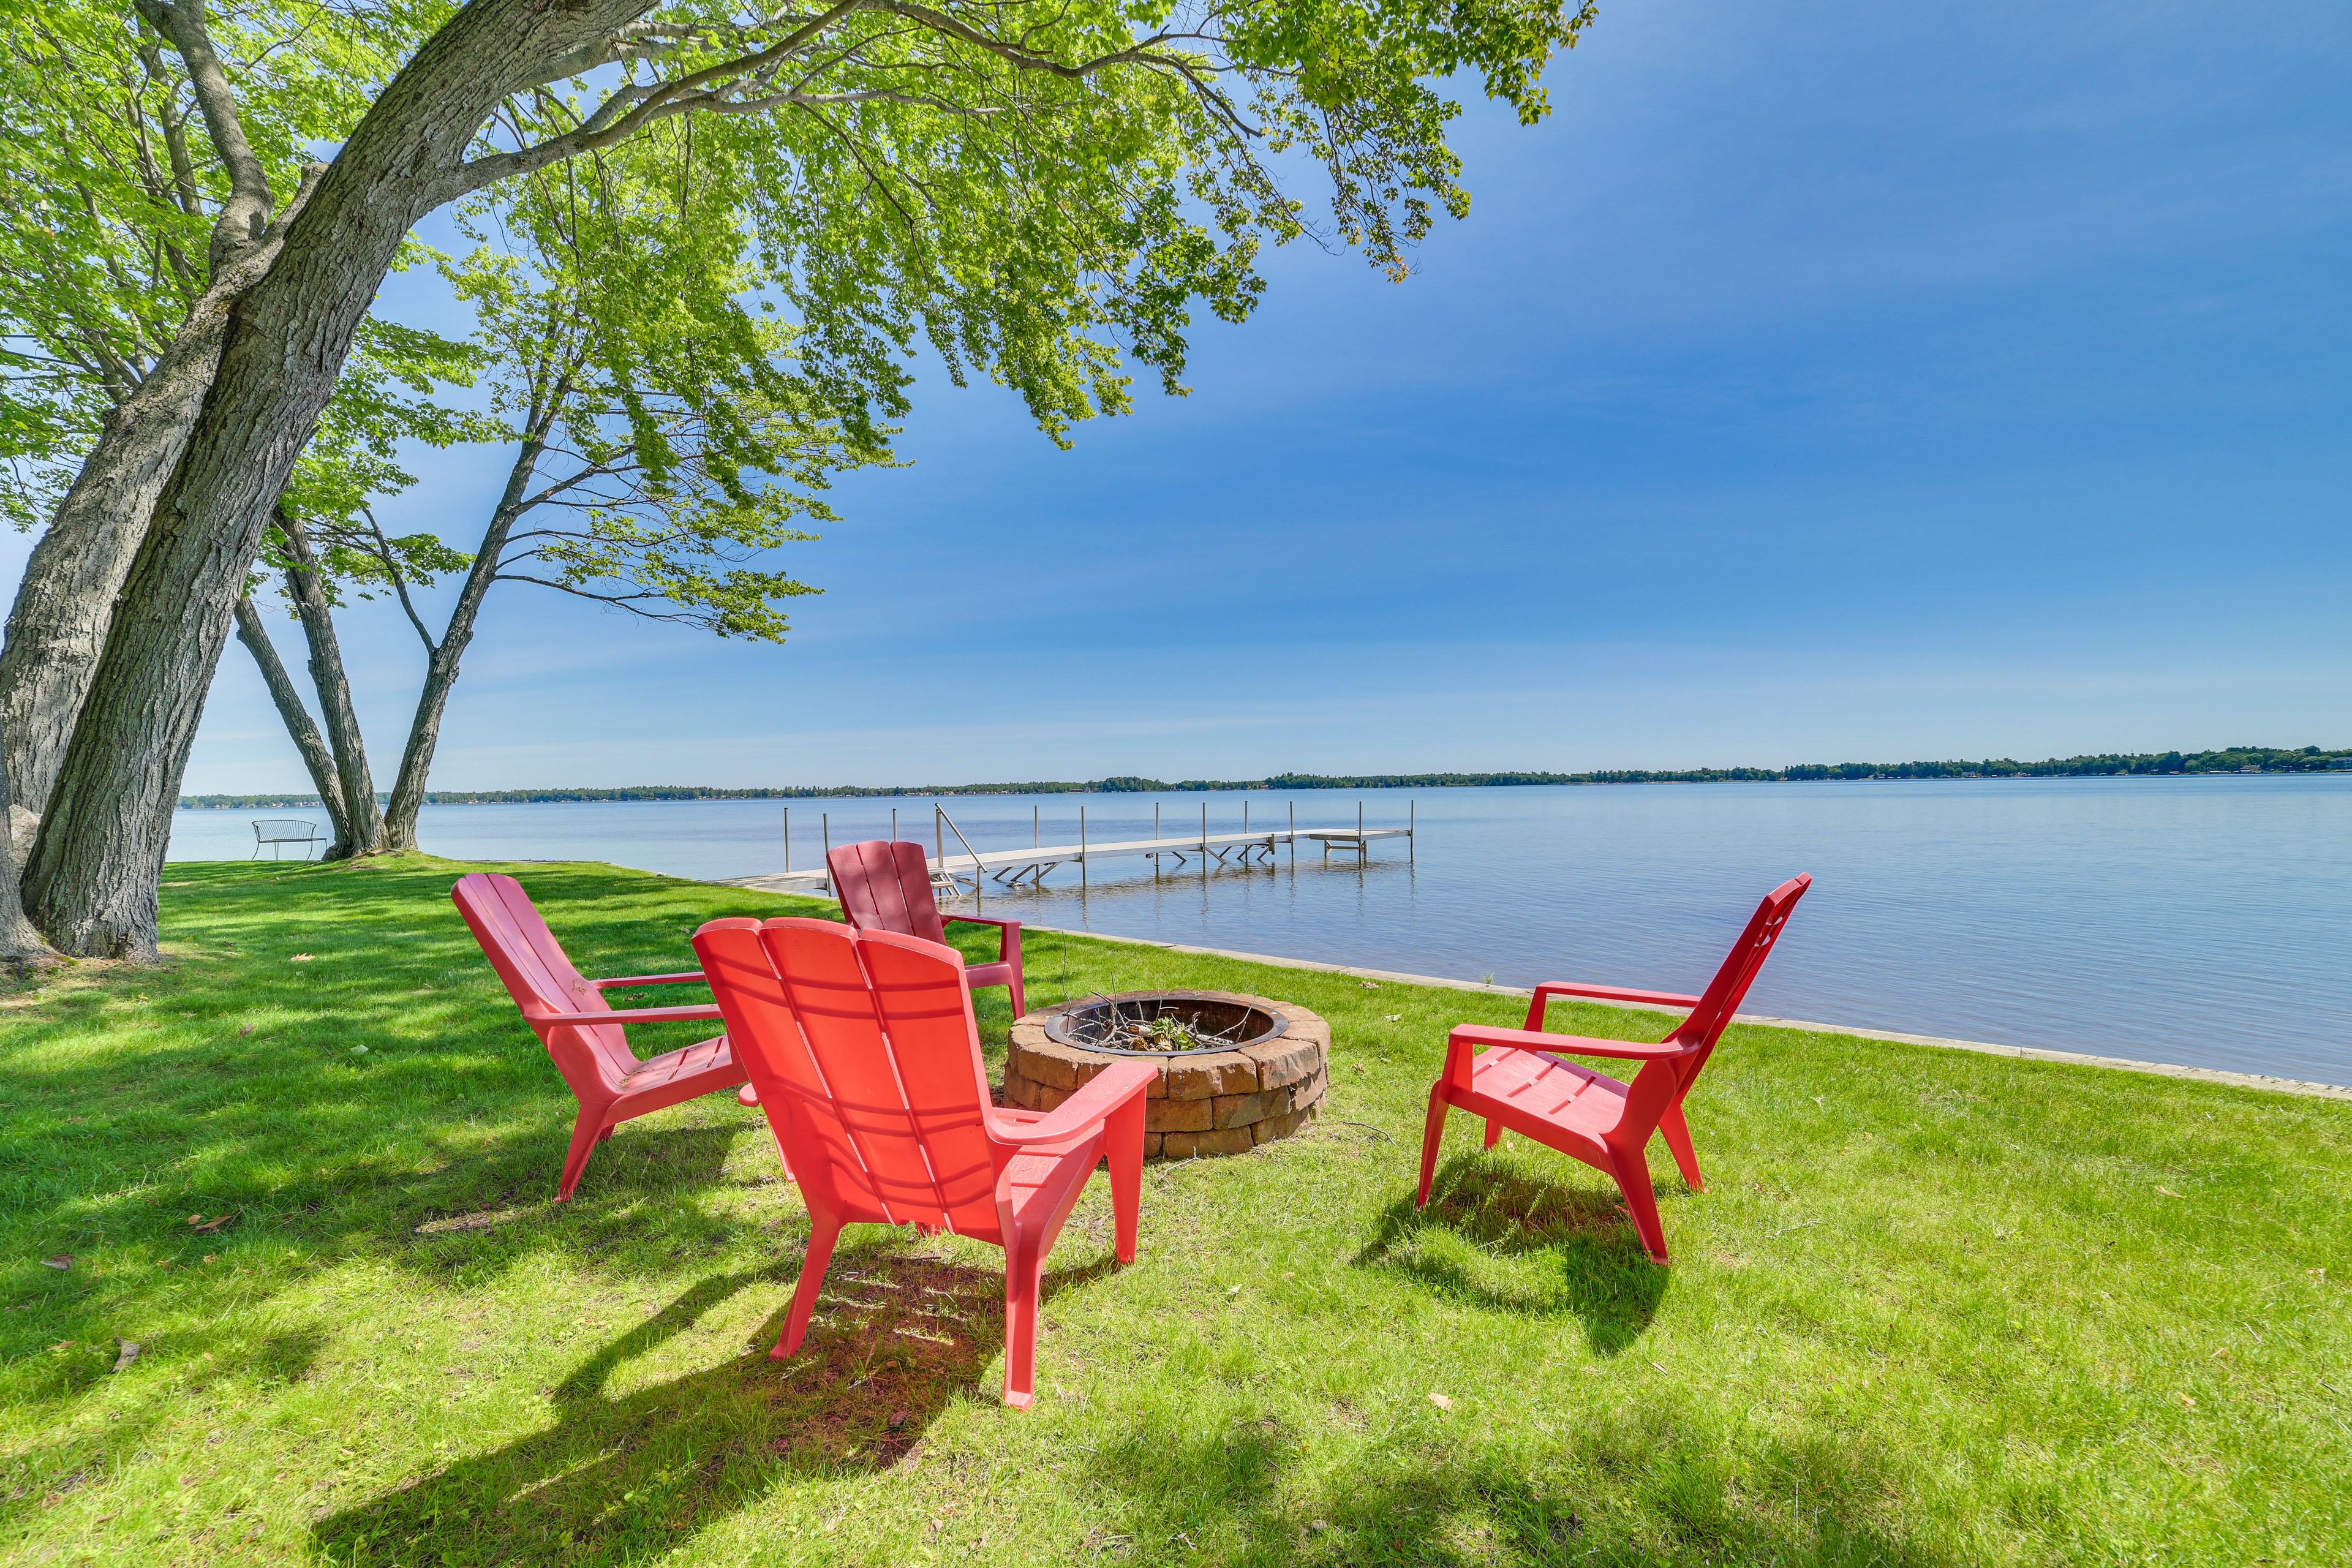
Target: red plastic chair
x,y
864,1049
582,1032
884,886
1512,1077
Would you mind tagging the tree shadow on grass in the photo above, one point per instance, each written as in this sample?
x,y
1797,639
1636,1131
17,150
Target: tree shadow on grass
x,y
898,1337
1485,1210
1656,1488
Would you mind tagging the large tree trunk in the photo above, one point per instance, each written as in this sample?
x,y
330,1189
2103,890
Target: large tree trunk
x,y
354,783
255,636
65,599
424,735
91,885
441,666
19,941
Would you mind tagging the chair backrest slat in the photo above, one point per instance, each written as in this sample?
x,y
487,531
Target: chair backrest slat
x,y
886,886
766,1038
924,1003
524,951
536,971
867,1061
1729,987
888,1022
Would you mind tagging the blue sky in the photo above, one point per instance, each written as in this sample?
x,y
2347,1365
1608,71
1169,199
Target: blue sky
x,y
1822,381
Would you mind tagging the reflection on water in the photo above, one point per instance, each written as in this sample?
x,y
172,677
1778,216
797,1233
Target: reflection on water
x,y
2200,921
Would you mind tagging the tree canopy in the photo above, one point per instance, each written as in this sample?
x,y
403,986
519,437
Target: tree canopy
x,y
1040,191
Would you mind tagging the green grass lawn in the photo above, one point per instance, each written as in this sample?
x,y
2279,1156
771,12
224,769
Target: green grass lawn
x,y
1938,1308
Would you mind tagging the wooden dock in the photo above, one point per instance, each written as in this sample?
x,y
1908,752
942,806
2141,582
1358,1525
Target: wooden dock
x,y
1010,867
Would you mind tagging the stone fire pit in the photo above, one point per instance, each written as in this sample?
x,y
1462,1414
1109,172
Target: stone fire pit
x,y
1219,1099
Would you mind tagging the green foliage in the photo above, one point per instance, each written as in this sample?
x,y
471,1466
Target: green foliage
x,y
667,433
1937,1308
1044,192
113,184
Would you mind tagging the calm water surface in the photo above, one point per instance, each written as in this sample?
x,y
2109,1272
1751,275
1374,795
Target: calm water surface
x,y
2206,920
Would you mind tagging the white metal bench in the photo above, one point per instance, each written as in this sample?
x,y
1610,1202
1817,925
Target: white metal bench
x,y
279,831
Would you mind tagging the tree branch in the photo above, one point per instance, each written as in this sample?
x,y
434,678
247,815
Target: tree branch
x,y
628,601
399,580
245,215
614,121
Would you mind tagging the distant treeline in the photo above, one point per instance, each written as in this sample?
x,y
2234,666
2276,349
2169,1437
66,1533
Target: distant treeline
x,y
2230,759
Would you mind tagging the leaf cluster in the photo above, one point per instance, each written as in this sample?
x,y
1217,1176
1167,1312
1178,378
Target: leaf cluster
x,y
114,185
666,437
1042,191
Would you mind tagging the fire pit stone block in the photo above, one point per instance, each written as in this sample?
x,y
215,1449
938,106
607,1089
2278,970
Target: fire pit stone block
x,y
1222,1102
1190,1146
1289,1059
1177,1115
1205,1078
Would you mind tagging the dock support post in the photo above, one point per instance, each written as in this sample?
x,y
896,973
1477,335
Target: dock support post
x,y
788,841
825,825
1205,838
894,825
1363,850
939,837
1294,835
1082,847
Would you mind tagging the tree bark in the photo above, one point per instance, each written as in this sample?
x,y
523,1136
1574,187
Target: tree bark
x,y
19,941
255,636
442,660
91,884
65,600
354,783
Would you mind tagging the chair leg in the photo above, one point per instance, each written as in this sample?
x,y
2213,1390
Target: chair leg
x,y
1019,999
1022,1267
1678,1139
1494,1134
824,1231
1433,1134
1123,1144
1633,1174
586,1133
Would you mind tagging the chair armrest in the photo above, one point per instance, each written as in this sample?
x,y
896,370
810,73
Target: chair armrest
x,y
695,976
1008,935
1103,1093
1561,1045
1551,988
629,1015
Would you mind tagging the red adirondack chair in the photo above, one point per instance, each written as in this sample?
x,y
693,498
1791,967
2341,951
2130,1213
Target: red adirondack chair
x,y
581,1030
884,886
864,1049
1514,1078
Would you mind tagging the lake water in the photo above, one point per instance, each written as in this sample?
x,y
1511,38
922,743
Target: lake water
x,y
2202,921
